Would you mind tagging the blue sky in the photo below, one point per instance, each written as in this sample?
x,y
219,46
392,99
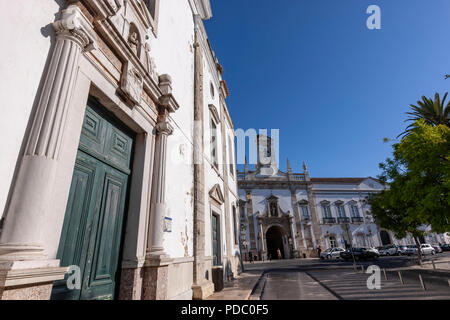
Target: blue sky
x,y
333,87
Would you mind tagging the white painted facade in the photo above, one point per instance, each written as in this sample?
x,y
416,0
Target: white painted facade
x,y
160,216
296,194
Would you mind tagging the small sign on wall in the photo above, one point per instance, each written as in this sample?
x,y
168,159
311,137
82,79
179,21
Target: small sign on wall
x,y
167,224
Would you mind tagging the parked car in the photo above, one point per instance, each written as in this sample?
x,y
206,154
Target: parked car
x,y
389,250
425,249
374,250
437,248
331,253
411,249
359,254
402,250
445,247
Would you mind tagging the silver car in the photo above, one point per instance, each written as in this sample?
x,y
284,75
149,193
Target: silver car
x,y
331,253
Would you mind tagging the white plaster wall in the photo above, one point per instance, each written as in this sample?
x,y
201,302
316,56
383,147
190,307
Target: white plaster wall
x,y
23,55
173,53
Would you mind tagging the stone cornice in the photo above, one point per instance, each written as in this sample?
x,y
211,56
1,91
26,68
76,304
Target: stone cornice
x,y
253,184
203,39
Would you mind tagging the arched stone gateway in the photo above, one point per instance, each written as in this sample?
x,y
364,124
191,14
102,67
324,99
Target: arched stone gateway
x,y
276,238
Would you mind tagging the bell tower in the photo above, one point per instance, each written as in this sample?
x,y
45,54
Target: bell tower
x,y
267,164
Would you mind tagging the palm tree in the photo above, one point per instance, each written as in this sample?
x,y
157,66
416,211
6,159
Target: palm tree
x,y
433,112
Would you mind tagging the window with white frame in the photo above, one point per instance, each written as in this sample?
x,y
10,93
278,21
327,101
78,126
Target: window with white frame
x,y
304,209
231,156
326,210
340,210
213,137
355,211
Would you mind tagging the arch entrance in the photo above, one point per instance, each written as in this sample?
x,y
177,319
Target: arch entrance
x,y
276,238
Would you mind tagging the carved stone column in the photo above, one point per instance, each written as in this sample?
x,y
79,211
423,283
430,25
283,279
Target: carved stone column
x,y
158,204
156,266
25,234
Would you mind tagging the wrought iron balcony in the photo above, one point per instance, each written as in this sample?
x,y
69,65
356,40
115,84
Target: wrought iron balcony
x,y
299,177
357,219
343,220
329,220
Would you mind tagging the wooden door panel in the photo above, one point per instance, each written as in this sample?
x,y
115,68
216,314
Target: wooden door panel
x,y
104,252
77,222
93,222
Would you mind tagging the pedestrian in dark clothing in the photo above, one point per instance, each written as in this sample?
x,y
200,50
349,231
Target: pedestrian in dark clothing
x,y
319,251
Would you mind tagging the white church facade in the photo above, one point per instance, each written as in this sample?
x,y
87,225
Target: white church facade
x,y
117,152
297,214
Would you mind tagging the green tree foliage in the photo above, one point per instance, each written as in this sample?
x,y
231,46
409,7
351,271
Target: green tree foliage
x,y
432,112
419,182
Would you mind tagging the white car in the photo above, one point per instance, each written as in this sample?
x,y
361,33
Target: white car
x,y
331,253
427,249
424,248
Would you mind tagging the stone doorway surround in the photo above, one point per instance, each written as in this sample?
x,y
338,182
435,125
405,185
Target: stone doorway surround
x,y
28,243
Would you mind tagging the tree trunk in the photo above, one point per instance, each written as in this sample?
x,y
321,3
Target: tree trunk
x,y
419,251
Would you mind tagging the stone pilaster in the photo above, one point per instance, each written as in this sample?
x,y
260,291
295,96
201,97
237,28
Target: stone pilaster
x,y
156,266
201,287
315,220
25,231
297,240
251,222
158,203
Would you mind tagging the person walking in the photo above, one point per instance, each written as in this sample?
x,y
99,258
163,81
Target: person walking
x,y
279,254
319,251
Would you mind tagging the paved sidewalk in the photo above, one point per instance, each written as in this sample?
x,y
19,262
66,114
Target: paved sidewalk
x,y
238,289
294,286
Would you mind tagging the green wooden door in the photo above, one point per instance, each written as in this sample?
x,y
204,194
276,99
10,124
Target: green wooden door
x,y
92,230
215,224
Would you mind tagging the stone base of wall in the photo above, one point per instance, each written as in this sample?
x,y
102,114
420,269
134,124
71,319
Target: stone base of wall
x,y
155,283
131,284
202,291
40,291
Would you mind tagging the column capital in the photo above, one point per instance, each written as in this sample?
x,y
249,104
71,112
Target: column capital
x,y
73,25
164,127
